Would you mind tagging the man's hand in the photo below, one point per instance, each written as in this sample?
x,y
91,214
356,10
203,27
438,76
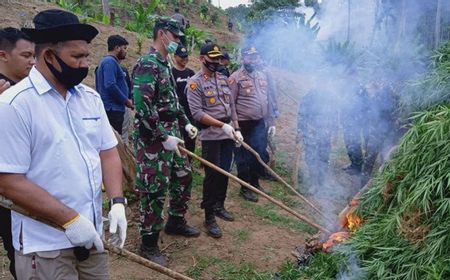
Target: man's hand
x,y
81,233
4,85
238,138
117,219
191,130
271,131
229,130
171,144
129,104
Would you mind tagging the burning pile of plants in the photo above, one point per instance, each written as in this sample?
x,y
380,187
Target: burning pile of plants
x,y
403,219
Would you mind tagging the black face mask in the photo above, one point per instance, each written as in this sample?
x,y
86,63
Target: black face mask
x,y
212,66
68,76
249,68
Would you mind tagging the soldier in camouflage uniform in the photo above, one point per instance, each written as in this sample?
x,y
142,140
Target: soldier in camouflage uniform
x,y
160,166
317,115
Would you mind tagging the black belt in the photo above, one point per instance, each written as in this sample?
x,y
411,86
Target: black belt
x,y
204,126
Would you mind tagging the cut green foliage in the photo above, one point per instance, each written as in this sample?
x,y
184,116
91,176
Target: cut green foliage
x,y
433,87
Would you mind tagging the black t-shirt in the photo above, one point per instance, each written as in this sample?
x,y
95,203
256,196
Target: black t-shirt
x,y
11,82
181,77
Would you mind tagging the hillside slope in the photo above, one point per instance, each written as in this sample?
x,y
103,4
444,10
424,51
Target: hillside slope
x,y
21,12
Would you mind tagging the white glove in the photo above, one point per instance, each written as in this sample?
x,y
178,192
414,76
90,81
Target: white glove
x,y
272,131
171,144
118,219
229,130
81,233
191,130
238,137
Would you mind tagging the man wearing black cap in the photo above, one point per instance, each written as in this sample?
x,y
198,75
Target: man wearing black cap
x,y
110,81
211,104
56,147
182,73
161,168
16,60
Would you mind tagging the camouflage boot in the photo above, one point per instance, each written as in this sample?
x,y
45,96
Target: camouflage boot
x,y
149,249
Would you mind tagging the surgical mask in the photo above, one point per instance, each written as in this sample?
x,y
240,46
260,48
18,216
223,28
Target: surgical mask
x,y
249,68
68,76
172,46
212,66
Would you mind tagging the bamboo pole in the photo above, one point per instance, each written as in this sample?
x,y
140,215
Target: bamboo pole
x,y
258,157
6,203
247,185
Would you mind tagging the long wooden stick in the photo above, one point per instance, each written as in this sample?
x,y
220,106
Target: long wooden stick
x,y
6,203
247,185
294,176
258,157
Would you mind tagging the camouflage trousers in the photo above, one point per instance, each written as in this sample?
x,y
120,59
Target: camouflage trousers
x,y
159,171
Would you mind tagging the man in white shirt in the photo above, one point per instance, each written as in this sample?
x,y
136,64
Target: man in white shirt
x,y
56,149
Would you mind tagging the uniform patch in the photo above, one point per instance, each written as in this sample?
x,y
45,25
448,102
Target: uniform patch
x,y
206,77
227,98
212,100
209,93
193,85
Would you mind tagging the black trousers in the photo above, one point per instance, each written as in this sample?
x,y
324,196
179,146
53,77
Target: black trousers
x,y
353,138
255,135
6,235
116,120
220,153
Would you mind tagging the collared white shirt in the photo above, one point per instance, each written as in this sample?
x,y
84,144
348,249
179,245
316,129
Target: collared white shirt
x,y
55,142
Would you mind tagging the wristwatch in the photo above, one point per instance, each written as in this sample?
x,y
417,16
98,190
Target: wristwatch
x,y
116,200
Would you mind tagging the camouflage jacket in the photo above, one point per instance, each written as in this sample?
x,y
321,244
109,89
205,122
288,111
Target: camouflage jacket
x,y
155,97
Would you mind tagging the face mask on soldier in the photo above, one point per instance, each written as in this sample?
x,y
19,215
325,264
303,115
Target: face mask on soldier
x,y
172,46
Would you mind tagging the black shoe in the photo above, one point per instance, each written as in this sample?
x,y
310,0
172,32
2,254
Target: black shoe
x,y
149,249
222,213
211,225
353,170
179,226
248,195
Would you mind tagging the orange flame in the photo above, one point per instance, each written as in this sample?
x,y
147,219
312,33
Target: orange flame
x,y
335,238
353,221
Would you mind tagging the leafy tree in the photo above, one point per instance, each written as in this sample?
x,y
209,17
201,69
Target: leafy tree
x,y
259,8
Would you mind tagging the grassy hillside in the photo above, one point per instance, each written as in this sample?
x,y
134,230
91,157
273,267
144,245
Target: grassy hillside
x,y
21,12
